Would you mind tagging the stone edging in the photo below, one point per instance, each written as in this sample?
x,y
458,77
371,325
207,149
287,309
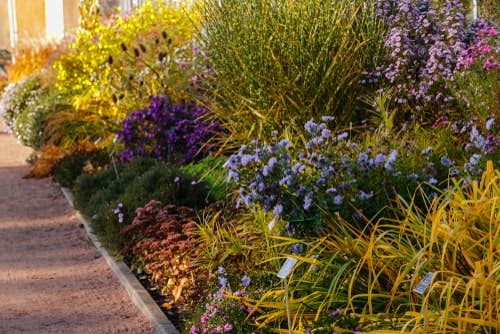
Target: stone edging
x,y
140,297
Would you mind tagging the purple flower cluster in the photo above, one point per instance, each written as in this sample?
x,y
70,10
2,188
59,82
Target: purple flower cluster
x,y
167,132
225,314
424,43
302,183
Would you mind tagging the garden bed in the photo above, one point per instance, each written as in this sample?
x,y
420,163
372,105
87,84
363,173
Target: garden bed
x,y
209,147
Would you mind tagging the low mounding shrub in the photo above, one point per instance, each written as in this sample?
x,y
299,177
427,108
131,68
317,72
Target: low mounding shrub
x,y
69,168
308,183
279,63
110,197
167,132
17,97
31,123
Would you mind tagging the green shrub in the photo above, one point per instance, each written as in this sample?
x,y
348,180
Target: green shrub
x,y
32,121
67,170
281,63
111,197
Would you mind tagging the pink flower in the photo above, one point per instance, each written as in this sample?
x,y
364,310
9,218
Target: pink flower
x,y
228,327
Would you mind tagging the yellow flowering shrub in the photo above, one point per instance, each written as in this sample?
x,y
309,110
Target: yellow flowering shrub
x,y
90,67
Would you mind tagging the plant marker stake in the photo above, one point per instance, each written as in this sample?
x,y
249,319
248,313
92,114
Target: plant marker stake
x,y
420,289
283,273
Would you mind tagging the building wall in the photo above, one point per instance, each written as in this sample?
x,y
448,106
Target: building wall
x,y
4,25
71,15
30,16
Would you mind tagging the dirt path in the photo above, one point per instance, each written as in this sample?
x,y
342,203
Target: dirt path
x,y
52,280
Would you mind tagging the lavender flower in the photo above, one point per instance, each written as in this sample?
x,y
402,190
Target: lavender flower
x,y
245,281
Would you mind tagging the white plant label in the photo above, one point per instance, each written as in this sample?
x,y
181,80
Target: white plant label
x,y
287,267
424,283
271,224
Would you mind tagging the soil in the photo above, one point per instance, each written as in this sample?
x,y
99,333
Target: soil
x,y
52,279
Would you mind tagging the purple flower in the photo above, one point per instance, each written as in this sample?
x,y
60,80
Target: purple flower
x,y
278,210
245,281
379,159
432,181
296,248
338,199
337,312
489,123
446,162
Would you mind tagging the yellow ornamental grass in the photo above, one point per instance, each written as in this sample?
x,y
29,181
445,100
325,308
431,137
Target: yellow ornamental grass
x,y
373,275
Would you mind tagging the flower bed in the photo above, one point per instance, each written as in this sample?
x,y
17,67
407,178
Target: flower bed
x,y
363,146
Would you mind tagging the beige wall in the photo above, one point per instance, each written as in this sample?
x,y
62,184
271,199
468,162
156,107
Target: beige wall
x,y
30,16
71,15
4,25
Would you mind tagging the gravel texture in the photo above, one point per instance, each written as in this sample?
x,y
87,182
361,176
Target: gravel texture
x,y
52,279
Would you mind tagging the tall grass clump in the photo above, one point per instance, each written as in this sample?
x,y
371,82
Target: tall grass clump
x,y
281,63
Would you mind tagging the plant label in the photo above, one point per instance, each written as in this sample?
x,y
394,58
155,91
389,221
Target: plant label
x,y
271,224
287,267
424,283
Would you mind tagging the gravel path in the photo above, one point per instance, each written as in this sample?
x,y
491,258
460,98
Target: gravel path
x,y
52,279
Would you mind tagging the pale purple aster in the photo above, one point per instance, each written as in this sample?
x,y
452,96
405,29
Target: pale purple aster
x,y
308,201
391,160
342,136
489,123
412,176
245,281
278,210
327,118
427,150
296,248
337,312
379,159
337,199
228,327
446,162
222,280
311,127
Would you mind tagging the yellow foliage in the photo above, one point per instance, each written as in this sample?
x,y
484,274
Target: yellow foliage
x,y
85,69
373,273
